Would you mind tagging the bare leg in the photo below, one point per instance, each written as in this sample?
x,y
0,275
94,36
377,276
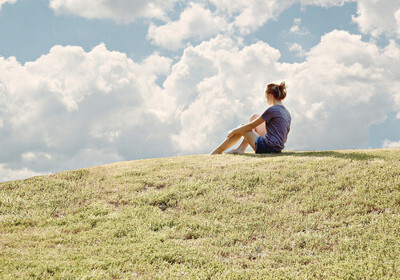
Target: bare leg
x,y
251,138
260,130
229,142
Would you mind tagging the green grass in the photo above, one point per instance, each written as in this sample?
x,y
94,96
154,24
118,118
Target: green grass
x,y
297,215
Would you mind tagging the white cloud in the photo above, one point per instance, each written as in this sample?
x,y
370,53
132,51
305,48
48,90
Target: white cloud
x,y
122,11
343,87
224,95
298,29
295,47
390,144
2,2
7,174
351,81
378,17
397,17
373,17
391,58
245,16
324,3
249,15
72,108
194,22
29,156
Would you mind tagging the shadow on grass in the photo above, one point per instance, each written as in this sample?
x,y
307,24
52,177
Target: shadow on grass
x,y
343,155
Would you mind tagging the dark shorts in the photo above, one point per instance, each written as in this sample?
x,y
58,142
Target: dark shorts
x,y
263,148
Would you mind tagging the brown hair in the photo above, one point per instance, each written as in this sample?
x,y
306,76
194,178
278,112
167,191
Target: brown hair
x,y
278,91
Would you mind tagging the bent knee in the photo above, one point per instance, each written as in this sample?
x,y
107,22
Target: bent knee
x,y
254,116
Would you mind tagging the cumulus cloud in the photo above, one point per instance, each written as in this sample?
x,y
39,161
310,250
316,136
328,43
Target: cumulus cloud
x,y
343,86
221,97
7,174
397,17
247,16
373,17
72,108
122,11
295,47
390,144
378,17
2,2
298,29
339,92
324,3
244,16
194,22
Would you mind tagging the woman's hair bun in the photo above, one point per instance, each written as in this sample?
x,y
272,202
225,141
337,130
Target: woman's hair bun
x,y
282,90
279,91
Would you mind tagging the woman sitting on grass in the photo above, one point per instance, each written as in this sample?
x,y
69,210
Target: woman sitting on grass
x,y
268,138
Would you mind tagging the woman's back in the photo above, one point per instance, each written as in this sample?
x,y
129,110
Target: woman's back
x,y
277,122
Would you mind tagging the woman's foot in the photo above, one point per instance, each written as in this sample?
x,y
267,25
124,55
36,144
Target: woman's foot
x,y
215,152
236,151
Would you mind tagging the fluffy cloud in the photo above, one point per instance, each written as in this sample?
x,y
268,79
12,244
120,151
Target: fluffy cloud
x,y
297,28
324,3
245,16
297,48
194,22
224,95
378,17
10,174
397,17
72,108
122,11
343,86
248,15
390,144
2,2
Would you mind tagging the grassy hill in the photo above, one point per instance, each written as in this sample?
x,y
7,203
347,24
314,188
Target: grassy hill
x,y
297,215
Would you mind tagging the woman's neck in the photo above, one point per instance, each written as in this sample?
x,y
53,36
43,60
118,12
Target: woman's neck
x,y
276,102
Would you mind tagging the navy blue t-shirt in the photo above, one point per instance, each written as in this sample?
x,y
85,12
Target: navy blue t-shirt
x,y
277,122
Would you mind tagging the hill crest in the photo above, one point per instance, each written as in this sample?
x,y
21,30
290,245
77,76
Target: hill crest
x,y
319,215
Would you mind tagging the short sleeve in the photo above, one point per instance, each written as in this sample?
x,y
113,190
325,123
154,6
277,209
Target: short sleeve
x,y
268,114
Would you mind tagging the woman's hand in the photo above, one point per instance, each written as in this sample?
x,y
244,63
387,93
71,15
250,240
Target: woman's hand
x,y
233,132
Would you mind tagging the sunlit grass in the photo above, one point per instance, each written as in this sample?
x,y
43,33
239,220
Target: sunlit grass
x,y
297,215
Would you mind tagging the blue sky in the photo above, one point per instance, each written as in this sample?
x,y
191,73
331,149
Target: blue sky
x,y
31,23
99,82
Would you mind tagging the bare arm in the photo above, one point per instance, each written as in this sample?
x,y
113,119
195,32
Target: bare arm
x,y
247,127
